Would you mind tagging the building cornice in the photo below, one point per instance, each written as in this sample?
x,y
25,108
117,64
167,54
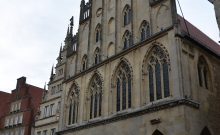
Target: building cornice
x,y
149,109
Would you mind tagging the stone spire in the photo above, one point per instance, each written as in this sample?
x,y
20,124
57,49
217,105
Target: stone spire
x,y
51,75
71,25
61,48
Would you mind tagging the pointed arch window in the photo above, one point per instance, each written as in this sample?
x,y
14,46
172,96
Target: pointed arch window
x,y
73,105
127,40
144,30
157,132
203,73
95,95
205,131
84,62
158,74
123,87
97,56
127,15
98,33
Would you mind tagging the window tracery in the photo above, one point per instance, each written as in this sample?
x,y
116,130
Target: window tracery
x,y
127,40
97,56
73,105
157,69
126,15
203,73
84,62
123,87
98,33
144,30
95,96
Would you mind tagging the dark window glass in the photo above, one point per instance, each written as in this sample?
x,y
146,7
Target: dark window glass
x,y
73,115
100,104
158,81
118,94
70,112
96,104
142,34
206,78
151,84
129,92
157,133
200,75
91,106
124,93
166,80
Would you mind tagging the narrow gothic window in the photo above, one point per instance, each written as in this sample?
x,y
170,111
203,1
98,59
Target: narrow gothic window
x,y
84,62
98,33
145,31
97,56
73,105
127,15
158,74
123,87
157,132
127,40
95,89
205,131
203,73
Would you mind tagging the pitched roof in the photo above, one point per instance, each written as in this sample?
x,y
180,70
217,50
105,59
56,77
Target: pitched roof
x,y
199,36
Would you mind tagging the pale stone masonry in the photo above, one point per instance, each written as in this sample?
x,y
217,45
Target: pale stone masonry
x,y
136,67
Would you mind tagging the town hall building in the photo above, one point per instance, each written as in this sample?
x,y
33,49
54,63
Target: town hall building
x,y
135,67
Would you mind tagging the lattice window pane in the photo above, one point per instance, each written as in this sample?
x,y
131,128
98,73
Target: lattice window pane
x,y
166,80
100,104
91,106
96,105
158,81
70,112
129,92
118,95
200,75
124,83
205,78
151,84
73,113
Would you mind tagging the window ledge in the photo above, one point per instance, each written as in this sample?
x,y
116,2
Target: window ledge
x,y
95,119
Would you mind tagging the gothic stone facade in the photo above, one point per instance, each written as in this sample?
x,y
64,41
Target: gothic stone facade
x,y
134,68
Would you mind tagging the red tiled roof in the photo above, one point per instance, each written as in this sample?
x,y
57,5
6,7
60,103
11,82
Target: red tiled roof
x,y
199,36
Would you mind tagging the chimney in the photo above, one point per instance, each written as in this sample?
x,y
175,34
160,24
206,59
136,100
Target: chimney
x,y
21,82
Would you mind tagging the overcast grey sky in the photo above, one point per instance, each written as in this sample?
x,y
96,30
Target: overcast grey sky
x,y
31,32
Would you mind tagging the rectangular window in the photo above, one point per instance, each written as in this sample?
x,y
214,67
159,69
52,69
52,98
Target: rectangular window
x,y
46,111
16,120
6,122
12,107
21,131
51,110
53,131
58,106
19,106
20,119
